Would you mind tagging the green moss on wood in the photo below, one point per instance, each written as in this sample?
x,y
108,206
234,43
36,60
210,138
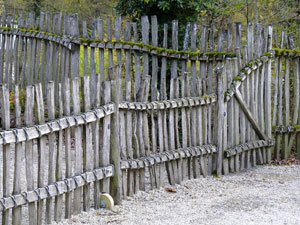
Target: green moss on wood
x,y
161,50
284,51
237,78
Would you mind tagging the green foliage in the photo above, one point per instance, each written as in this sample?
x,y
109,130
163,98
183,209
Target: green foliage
x,y
167,10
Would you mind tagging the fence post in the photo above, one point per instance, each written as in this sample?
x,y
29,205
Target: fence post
x,y
268,95
220,117
115,185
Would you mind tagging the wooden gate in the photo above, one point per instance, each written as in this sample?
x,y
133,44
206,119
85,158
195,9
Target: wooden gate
x,y
247,122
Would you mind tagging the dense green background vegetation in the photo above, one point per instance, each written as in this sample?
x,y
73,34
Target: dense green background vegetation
x,y
281,14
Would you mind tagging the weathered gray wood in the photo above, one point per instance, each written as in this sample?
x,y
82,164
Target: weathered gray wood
x,y
109,38
85,49
286,106
225,161
2,53
93,91
106,146
49,53
261,121
41,147
136,150
29,105
87,143
59,158
268,121
249,115
296,90
173,114
118,29
221,110
257,45
211,119
74,58
194,132
8,42
16,61
5,120
17,212
238,36
146,131
56,29
101,50
250,41
298,135
238,30
67,109
231,119
203,113
280,97
129,125
142,132
78,144
115,185
201,135
184,120
154,97
163,96
145,39
52,147
96,141
44,50
236,121
247,100
67,185
37,73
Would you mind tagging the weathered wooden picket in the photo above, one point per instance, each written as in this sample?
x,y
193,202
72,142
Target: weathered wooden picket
x,y
101,108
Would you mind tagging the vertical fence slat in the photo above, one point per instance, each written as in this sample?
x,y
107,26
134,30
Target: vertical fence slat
x,y
78,144
268,121
5,120
115,184
96,141
154,35
129,125
106,131
87,141
109,38
145,39
68,173
93,89
29,106
17,212
173,83
41,147
137,78
52,147
286,106
184,124
59,157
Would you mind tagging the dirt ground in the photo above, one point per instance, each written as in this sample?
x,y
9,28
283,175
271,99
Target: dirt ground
x,y
264,195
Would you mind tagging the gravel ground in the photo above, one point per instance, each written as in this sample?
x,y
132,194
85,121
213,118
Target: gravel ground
x,y
264,195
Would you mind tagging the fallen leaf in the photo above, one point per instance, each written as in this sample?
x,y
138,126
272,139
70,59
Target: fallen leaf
x,y
170,189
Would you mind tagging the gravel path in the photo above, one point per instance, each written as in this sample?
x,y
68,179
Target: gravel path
x,y
265,195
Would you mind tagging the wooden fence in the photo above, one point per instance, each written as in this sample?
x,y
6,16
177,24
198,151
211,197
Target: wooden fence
x,y
98,108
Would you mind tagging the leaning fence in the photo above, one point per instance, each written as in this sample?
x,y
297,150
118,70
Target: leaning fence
x,y
87,109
